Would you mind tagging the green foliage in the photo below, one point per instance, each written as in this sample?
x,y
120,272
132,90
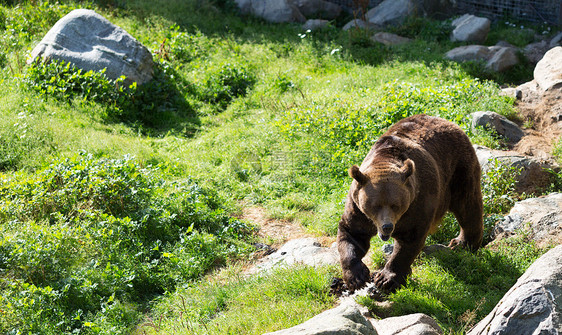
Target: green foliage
x,y
92,239
422,28
153,105
224,82
27,20
459,288
498,187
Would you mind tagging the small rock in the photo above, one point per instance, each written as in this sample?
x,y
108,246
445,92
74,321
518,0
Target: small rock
x,y
389,39
304,251
512,92
499,123
413,324
470,28
315,24
346,318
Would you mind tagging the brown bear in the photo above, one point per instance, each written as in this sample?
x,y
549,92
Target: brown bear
x,y
422,167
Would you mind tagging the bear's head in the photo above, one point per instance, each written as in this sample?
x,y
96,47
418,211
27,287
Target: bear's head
x,y
384,193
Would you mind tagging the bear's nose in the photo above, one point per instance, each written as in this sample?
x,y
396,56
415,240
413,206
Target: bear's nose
x,y
387,228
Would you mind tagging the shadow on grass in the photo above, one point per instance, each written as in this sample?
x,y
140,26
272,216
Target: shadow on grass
x,y
159,107
459,288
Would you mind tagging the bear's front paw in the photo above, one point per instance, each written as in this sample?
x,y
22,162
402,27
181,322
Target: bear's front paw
x,y
457,243
388,281
356,276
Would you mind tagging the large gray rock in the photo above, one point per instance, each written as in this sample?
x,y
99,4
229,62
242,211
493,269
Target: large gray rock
x,y
533,305
346,319
299,251
275,11
413,324
497,58
391,12
91,42
534,175
548,72
318,9
542,216
503,58
499,123
469,53
470,28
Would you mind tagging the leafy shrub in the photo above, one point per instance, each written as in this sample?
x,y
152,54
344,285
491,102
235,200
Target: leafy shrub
x,y
27,20
498,187
226,82
154,105
422,28
86,241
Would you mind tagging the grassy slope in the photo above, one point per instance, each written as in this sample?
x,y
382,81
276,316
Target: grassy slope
x,y
271,147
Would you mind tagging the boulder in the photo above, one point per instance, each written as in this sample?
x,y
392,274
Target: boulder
x,y
358,24
91,42
497,58
315,24
299,251
504,58
469,53
541,215
390,12
533,305
413,324
499,123
389,39
275,11
318,9
346,319
548,72
533,175
470,28
534,52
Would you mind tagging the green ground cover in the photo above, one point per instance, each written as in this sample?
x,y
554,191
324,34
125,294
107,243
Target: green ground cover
x,y
118,204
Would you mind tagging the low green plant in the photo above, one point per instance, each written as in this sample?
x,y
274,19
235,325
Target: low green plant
x,y
86,242
458,288
235,305
224,82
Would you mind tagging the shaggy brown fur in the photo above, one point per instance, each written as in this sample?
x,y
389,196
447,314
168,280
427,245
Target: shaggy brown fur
x,y
418,170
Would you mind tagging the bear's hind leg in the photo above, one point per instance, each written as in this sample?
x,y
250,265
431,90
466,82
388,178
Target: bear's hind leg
x,y
469,214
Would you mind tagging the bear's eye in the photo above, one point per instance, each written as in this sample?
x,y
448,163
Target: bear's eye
x,y
395,208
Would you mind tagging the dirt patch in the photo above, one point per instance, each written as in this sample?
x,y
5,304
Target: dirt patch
x,y
543,113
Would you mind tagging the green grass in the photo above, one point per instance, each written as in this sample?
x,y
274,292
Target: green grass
x,y
240,112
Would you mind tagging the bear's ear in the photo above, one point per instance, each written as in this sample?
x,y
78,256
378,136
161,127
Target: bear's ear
x,y
357,175
408,169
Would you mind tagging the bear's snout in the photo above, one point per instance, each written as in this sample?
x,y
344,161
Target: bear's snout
x,y
387,228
